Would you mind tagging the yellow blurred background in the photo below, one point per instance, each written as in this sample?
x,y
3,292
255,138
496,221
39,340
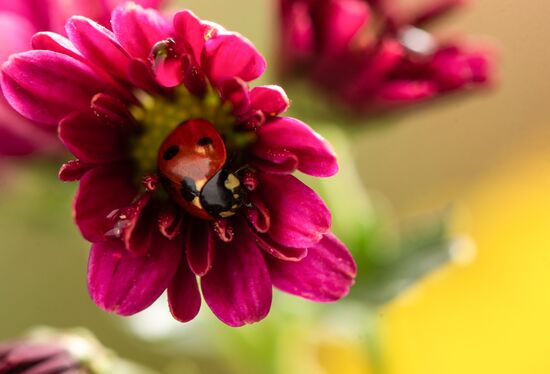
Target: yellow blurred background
x,y
490,315
487,154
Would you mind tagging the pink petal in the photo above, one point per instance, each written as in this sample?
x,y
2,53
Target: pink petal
x,y
32,352
13,144
101,10
190,32
454,67
125,284
282,162
231,55
92,140
37,12
298,31
252,121
15,34
138,29
235,91
407,91
249,180
325,274
272,100
193,77
199,246
50,41
451,73
344,19
111,4
146,3
25,355
113,111
136,225
19,137
257,214
56,43
374,73
277,250
46,86
238,288
183,294
212,29
224,229
142,77
56,364
299,218
98,45
73,170
286,142
170,221
103,190
482,68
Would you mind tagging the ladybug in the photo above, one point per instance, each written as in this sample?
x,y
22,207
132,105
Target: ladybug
x,y
193,169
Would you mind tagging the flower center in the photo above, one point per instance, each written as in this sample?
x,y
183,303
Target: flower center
x,y
159,116
193,144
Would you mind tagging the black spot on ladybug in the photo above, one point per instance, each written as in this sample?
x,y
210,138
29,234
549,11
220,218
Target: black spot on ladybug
x,y
188,189
203,142
171,152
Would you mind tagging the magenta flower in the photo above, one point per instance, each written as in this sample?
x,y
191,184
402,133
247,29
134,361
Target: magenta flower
x,y
19,20
374,55
49,351
184,170
27,357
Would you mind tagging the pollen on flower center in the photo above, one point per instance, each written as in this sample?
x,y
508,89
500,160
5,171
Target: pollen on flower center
x,y
158,116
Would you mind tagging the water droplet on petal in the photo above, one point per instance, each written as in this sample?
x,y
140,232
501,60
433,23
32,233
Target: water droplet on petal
x,y
167,63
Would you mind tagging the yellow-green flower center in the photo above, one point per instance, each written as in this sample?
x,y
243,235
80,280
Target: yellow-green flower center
x,y
158,116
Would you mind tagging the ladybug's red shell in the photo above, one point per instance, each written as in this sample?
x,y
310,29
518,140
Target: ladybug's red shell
x,y
188,158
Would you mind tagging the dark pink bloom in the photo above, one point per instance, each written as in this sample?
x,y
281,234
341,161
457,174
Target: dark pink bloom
x,y
375,55
26,357
50,351
184,170
19,20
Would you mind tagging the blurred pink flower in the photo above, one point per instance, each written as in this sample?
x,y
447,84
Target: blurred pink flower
x,y
184,170
26,357
19,20
375,55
